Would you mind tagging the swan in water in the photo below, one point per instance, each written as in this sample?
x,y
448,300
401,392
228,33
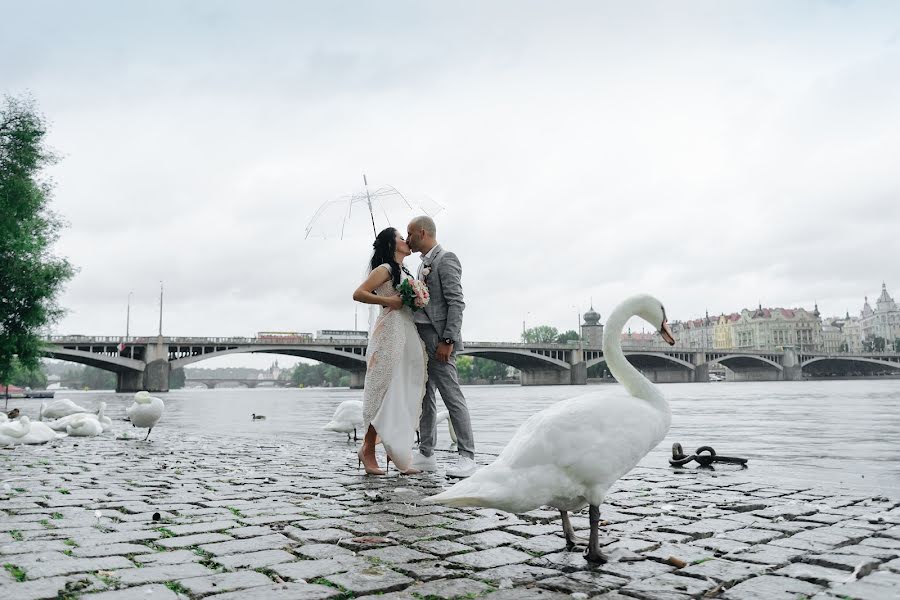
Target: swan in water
x,y
62,423
347,417
445,416
84,425
146,411
59,408
568,455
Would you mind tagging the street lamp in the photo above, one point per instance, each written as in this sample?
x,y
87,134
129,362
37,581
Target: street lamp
x,y
128,316
523,324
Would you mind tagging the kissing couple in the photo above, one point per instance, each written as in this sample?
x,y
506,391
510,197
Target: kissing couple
x,y
410,353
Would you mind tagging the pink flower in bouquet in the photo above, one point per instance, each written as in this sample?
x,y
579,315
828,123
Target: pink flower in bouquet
x,y
421,290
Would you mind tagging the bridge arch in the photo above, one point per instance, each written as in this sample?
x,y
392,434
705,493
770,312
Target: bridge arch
x,y
351,361
116,364
520,359
853,359
744,358
662,355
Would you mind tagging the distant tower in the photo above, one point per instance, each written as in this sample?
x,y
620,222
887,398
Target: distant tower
x,y
592,329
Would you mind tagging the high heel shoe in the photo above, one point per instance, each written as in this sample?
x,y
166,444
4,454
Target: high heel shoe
x,y
409,471
362,463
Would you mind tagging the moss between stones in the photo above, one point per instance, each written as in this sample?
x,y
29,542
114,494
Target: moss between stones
x,y
16,571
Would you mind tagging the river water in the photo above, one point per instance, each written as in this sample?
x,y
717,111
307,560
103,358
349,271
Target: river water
x,y
842,433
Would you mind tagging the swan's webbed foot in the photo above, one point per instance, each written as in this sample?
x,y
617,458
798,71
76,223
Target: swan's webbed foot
x,y
148,434
354,435
594,556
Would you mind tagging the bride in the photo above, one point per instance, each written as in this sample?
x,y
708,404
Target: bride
x,y
396,360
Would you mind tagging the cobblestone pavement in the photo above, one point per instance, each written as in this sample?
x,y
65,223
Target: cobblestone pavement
x,y
191,517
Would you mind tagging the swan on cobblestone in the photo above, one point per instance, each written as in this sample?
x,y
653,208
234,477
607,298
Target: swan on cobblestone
x,y
570,454
84,425
62,423
24,431
59,408
146,411
348,417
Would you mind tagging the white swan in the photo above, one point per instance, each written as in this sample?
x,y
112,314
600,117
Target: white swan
x,y
62,423
445,416
59,408
568,455
24,431
146,411
347,417
84,425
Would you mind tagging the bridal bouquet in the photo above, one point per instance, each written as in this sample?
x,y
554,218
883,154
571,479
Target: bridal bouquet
x,y
414,293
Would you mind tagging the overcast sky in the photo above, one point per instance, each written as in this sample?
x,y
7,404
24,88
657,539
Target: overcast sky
x,y
715,154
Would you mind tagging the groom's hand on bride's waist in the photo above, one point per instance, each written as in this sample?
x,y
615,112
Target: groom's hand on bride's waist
x,y
444,350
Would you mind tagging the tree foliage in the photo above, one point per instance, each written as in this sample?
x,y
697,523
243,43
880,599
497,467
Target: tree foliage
x,y
568,336
22,376
542,334
474,369
319,375
30,275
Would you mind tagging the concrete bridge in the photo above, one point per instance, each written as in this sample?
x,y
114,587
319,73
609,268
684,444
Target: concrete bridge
x,y
211,382
145,363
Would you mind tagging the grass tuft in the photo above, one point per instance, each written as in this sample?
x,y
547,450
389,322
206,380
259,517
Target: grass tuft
x,y
16,571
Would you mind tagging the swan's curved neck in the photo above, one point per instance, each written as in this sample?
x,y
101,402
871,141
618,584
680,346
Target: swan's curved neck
x,y
624,372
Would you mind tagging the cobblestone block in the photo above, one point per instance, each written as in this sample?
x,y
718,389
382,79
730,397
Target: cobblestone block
x,y
720,545
481,524
529,594
515,574
224,582
285,591
48,588
371,579
53,568
396,554
110,550
668,586
442,548
166,558
450,589
28,547
255,560
311,569
494,557
144,592
880,585
326,536
160,573
749,535
772,587
413,534
186,541
248,532
490,539
817,574
323,551
687,553
844,562
541,544
724,571
208,527
266,542
433,569
584,582
640,569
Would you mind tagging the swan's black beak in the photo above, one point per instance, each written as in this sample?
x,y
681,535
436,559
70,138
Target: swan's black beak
x,y
666,333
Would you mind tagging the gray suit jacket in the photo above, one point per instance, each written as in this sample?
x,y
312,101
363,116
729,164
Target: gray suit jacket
x,y
445,306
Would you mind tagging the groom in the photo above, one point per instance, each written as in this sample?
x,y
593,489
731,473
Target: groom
x,y
439,325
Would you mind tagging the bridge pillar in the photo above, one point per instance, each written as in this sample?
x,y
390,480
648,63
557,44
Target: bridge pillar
x,y
129,381
156,373
578,373
357,380
791,364
701,368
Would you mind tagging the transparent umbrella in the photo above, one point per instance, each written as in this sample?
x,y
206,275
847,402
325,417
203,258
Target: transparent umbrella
x,y
367,211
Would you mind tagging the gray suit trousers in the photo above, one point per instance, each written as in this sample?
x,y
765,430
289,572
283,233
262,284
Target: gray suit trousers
x,y
444,377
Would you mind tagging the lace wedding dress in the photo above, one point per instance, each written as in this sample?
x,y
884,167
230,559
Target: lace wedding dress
x,y
395,379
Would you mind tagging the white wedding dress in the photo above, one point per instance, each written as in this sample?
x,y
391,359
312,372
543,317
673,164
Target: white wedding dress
x,y
395,379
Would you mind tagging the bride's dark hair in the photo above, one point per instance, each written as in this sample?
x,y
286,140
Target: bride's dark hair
x,y
385,247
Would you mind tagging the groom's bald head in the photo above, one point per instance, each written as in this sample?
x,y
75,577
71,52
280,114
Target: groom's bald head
x,y
424,222
421,234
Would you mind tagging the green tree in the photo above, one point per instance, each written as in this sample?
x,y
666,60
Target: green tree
x,y
27,377
319,375
897,344
30,275
98,379
491,370
569,336
542,334
465,368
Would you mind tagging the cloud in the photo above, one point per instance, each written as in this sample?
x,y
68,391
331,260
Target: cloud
x,y
715,155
